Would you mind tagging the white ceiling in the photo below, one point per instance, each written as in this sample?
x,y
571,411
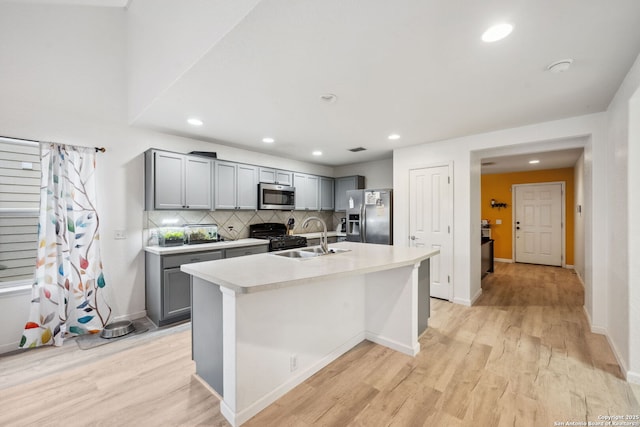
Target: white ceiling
x,y
99,3
519,163
413,67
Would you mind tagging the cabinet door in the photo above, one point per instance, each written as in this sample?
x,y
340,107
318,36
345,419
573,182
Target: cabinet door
x,y
267,175
326,194
169,180
300,183
284,178
226,185
251,250
176,293
247,187
343,184
198,183
313,193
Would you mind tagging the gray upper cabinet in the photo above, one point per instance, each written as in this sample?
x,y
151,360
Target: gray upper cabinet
x,y
177,181
307,191
236,186
275,176
327,199
342,185
198,176
247,187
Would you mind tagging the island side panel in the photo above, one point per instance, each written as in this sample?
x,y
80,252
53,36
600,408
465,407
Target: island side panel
x,y
313,324
391,309
424,295
207,332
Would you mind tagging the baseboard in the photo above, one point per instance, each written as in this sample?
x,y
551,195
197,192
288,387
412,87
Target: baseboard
x,y
569,267
394,345
238,418
468,302
595,329
6,348
507,260
616,353
633,377
580,279
132,316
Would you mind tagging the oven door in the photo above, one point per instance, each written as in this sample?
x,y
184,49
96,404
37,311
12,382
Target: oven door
x,y
274,196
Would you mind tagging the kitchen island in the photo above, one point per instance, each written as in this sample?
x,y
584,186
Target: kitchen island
x,y
264,323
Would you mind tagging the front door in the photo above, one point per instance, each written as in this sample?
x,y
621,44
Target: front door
x,y
538,223
430,221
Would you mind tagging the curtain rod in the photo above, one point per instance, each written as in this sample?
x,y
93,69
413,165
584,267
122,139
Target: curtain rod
x,y
100,149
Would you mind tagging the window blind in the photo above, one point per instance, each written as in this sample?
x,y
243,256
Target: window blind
x,y
19,205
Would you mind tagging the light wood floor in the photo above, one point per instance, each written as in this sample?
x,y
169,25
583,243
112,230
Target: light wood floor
x,y
522,356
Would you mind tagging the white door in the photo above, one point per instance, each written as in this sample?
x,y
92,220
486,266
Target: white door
x,y
538,224
430,221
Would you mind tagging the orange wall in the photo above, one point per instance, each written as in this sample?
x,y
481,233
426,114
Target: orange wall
x,y
498,187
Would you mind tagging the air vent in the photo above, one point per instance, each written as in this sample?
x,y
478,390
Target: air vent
x,y
355,150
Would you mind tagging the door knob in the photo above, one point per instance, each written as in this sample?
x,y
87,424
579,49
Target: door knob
x,y
517,228
412,237
517,222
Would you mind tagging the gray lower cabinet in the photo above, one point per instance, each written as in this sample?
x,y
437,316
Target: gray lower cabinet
x,y
168,290
251,250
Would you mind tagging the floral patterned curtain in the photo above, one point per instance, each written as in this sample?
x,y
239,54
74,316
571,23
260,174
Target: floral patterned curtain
x,y
68,292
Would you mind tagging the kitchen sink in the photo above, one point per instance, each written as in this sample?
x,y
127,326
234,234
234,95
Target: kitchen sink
x,y
318,250
307,253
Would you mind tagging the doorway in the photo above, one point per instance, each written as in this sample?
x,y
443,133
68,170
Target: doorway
x,y
538,236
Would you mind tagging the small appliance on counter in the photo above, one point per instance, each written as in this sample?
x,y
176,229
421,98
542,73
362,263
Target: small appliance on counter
x,y
170,236
200,233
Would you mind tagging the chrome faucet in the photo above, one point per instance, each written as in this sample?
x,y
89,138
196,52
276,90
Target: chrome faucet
x,y
323,242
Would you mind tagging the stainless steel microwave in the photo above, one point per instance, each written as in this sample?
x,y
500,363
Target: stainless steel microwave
x,y
274,196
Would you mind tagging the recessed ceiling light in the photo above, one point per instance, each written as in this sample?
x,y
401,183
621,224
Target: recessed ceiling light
x,y
268,140
394,136
534,162
317,153
194,121
560,66
497,32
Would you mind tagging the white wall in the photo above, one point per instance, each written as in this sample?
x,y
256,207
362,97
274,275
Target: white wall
x,y
378,173
64,80
167,37
578,222
624,188
466,152
634,238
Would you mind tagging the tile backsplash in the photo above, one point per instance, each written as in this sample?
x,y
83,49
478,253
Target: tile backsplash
x,y
233,224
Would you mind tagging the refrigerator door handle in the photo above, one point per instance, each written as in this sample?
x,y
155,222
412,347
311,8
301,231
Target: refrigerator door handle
x,y
363,223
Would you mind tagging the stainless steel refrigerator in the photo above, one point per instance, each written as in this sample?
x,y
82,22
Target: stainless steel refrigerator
x,y
370,216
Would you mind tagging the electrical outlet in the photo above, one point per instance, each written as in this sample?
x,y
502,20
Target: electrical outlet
x,y
120,234
498,221
293,362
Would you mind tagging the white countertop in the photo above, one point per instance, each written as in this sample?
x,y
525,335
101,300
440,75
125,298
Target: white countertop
x,y
267,271
227,244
